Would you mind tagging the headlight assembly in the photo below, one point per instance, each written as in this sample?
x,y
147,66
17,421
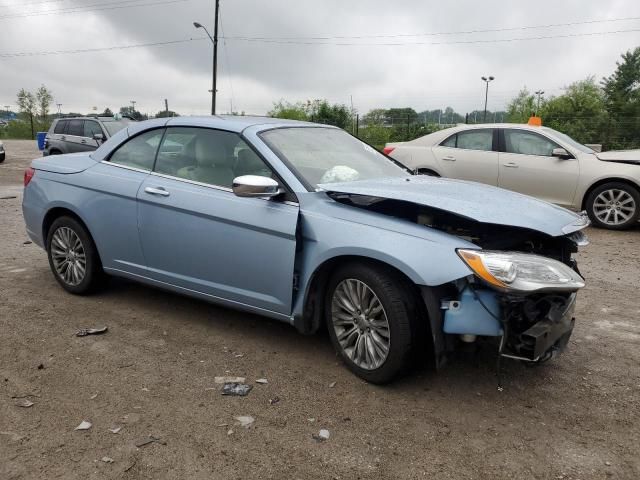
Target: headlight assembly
x,y
521,272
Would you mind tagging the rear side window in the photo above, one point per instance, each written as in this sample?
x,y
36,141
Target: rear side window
x,y
76,127
61,126
140,151
450,142
476,140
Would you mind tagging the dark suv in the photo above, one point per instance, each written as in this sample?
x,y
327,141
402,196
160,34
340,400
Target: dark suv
x,y
70,135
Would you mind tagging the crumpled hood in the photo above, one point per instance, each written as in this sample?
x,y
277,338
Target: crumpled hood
x,y
627,156
476,201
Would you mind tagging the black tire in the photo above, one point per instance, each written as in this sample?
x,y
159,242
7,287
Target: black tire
x,y
93,274
400,308
2,155
631,195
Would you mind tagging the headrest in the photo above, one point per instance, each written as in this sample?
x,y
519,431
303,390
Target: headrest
x,y
213,150
248,160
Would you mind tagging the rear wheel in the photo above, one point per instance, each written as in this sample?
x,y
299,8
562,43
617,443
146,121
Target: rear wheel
x,y
73,257
370,314
614,205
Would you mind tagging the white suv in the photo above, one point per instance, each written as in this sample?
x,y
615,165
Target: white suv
x,y
536,161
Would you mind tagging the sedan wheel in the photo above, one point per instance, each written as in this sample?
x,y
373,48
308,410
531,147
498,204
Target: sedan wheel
x,y
371,317
360,324
68,256
614,206
73,256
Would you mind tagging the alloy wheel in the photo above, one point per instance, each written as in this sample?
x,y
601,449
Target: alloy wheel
x,y
68,255
614,206
360,324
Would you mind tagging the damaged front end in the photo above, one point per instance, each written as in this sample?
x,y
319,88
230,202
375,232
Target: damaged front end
x,y
521,290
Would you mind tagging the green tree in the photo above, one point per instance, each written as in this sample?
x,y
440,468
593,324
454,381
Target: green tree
x,y
579,112
44,97
291,111
166,113
28,107
522,107
622,102
107,113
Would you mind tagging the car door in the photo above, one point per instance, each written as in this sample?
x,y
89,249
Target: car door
x,y
74,138
113,206
528,166
469,155
197,235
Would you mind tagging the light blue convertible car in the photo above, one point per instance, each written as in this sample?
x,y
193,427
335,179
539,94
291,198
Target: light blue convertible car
x,y
306,224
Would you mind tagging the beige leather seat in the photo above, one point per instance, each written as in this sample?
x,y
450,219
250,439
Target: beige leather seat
x,y
214,161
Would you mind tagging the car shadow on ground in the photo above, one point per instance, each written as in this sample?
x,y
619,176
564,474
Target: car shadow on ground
x,y
472,367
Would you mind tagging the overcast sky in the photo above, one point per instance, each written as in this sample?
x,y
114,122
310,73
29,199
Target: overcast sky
x,y
423,71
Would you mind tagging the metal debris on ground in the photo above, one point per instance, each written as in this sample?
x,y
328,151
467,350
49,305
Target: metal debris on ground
x,y
84,425
27,242
150,439
107,459
332,384
263,381
24,403
83,332
94,396
245,421
8,197
115,429
322,436
221,380
236,389
274,400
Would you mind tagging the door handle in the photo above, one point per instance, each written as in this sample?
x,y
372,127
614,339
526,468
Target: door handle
x,y
63,138
449,158
511,165
83,141
156,191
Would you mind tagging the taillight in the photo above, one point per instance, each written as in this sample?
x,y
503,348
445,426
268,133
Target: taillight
x,y
388,150
28,175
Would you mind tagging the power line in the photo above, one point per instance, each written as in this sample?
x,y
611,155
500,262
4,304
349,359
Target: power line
x,y
174,42
226,58
99,49
24,4
460,32
455,42
83,9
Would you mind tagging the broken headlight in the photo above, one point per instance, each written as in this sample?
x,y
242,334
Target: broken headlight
x,y
521,272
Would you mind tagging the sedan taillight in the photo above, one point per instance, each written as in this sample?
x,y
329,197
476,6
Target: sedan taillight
x,y
28,175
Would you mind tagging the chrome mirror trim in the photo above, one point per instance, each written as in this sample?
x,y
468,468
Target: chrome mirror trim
x,y
255,186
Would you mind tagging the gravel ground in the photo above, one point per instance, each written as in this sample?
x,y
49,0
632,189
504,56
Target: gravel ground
x,y
153,373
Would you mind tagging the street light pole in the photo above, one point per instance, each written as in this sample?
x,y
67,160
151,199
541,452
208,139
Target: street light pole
x,y
214,41
539,93
486,95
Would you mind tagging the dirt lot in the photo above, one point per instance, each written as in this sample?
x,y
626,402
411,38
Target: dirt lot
x,y
577,417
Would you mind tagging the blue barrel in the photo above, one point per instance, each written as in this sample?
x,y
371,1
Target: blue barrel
x,y
40,136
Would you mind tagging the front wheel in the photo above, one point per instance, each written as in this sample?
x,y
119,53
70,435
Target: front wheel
x,y
73,256
614,205
370,313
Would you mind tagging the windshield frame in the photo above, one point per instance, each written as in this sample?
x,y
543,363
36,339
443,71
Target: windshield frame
x,y
301,178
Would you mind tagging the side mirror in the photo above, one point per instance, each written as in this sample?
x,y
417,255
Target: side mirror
x,y
98,137
255,186
561,153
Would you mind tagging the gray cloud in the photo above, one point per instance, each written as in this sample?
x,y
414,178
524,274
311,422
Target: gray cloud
x,y
254,74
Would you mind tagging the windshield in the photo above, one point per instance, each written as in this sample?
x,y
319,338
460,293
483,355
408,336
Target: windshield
x,y
568,140
115,127
328,155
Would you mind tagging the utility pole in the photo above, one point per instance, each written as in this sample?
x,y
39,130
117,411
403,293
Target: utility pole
x,y
214,41
133,107
486,95
539,93
59,105
166,105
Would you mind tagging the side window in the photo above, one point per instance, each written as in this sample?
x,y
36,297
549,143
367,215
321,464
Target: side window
x,y
527,143
76,127
61,126
450,142
91,128
208,156
476,140
139,152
